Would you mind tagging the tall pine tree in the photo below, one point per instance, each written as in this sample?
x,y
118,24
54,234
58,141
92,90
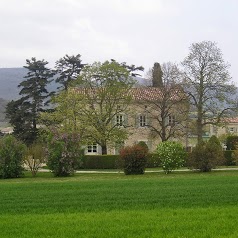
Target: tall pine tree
x,y
24,113
68,69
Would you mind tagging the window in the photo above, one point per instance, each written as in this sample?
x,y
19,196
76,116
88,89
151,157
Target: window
x,y
92,148
232,129
142,120
119,120
171,120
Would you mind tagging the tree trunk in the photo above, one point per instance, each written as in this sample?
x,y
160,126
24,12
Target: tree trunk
x,y
104,149
199,130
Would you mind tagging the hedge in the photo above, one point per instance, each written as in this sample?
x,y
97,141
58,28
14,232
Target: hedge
x,y
111,162
99,162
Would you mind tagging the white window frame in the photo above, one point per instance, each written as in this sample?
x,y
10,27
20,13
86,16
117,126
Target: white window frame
x,y
142,120
120,119
172,120
92,148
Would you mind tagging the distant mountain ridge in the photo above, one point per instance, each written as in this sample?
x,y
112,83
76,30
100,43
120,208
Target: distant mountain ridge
x,y
10,79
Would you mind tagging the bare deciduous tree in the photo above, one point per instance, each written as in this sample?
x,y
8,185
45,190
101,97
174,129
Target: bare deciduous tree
x,y
207,82
169,111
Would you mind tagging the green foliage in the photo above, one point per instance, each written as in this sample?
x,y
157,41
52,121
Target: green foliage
x,y
68,68
34,157
63,153
133,159
229,158
11,157
153,161
231,142
24,113
171,154
99,162
143,145
206,156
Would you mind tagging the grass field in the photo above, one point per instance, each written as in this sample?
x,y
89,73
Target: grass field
x,y
182,204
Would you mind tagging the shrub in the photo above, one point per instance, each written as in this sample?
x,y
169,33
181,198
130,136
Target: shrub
x,y
133,159
153,161
231,142
11,157
229,158
171,154
34,158
206,156
143,145
63,153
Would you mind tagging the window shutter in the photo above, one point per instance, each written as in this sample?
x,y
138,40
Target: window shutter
x,y
149,144
99,149
125,122
137,121
148,120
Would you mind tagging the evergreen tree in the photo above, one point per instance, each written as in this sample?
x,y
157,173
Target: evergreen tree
x,y
24,113
157,74
68,68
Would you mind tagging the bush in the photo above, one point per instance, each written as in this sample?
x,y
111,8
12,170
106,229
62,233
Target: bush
x,y
11,157
133,159
153,161
206,156
171,154
229,158
34,158
231,142
63,153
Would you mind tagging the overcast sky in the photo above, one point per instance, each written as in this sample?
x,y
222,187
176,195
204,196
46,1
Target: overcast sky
x,y
138,32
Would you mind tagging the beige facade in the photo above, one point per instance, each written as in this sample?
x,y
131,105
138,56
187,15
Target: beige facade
x,y
138,121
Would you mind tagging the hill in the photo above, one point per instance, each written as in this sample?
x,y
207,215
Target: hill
x,y
9,80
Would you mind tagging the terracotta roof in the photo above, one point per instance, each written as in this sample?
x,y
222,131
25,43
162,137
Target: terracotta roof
x,y
143,93
152,93
231,120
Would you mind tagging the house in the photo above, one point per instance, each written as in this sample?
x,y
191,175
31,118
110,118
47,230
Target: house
x,y
143,119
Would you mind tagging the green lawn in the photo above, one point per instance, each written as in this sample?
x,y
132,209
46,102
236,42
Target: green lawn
x,y
182,204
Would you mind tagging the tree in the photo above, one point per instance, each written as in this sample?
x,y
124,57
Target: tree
x,y
100,93
106,90
132,69
68,69
24,113
170,109
207,82
157,75
206,155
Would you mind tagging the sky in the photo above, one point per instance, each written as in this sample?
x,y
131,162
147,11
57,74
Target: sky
x,y
138,32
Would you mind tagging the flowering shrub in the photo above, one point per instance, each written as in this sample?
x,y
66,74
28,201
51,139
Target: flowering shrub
x,y
63,153
11,157
171,154
134,159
